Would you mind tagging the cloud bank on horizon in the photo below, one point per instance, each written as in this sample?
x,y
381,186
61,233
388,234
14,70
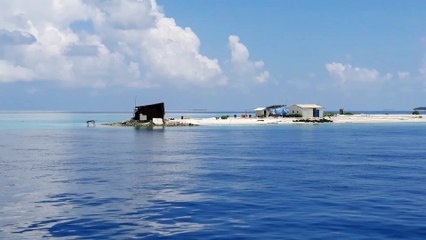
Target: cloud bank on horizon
x,y
110,43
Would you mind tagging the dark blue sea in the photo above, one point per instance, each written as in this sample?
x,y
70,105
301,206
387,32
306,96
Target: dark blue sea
x,y
63,180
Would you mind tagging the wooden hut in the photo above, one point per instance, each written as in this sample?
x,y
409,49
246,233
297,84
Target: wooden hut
x,y
147,113
307,110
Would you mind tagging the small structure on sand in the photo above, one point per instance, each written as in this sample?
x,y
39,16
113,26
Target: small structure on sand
x,y
307,110
274,110
91,123
149,116
150,113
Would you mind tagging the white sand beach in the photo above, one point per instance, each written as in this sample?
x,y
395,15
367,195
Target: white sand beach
x,y
379,118
339,119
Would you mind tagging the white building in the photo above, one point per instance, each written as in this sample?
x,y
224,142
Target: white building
x,y
307,110
261,112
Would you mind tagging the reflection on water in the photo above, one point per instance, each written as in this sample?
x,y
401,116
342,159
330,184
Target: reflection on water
x,y
266,182
99,182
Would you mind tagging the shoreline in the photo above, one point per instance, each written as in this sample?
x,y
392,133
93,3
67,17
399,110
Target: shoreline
x,y
338,119
240,121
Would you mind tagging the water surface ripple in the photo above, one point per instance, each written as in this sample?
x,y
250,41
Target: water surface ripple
x,y
264,182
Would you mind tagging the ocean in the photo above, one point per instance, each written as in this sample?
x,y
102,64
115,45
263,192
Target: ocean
x,y
63,180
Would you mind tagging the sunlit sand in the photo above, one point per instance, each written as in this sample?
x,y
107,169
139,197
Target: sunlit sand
x,y
339,119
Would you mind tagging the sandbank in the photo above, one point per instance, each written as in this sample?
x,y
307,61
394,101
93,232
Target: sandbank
x,y
339,119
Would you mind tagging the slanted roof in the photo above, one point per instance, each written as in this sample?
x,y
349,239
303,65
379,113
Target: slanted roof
x,y
161,104
308,106
276,106
260,109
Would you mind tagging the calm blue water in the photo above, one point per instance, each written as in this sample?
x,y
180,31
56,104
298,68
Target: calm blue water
x,y
62,180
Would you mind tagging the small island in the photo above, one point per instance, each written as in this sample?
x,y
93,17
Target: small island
x,y
149,116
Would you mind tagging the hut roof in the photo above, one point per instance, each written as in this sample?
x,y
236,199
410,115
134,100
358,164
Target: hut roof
x,y
276,106
308,106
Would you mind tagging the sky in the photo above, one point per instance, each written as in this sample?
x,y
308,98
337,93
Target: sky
x,y
217,55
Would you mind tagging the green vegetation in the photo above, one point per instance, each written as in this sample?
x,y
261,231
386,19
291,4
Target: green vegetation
x,y
224,117
415,112
329,114
348,113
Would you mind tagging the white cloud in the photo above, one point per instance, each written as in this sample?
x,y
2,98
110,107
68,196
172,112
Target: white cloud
x,y
127,43
173,52
404,75
348,73
11,73
15,37
242,65
262,77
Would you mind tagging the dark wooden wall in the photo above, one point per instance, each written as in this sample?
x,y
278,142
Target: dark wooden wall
x,y
151,111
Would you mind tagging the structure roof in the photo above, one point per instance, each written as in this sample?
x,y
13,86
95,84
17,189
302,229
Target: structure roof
x,y
308,106
276,106
269,107
150,105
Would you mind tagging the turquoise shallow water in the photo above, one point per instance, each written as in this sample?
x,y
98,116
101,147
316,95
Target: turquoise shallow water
x,y
62,180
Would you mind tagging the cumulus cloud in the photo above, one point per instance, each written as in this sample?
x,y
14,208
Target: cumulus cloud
x,y
241,63
10,73
173,52
81,50
117,42
15,37
348,73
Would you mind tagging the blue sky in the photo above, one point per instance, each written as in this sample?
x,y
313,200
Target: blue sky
x,y
216,55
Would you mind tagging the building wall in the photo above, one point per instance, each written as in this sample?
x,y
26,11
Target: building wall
x,y
321,112
295,110
260,113
148,112
305,112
